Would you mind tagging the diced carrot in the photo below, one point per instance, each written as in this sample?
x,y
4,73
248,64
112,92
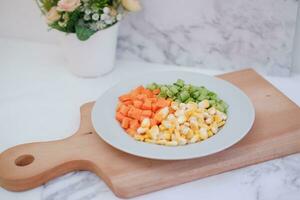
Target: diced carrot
x,y
137,103
148,93
125,122
147,104
139,89
137,114
153,114
147,113
156,91
153,99
153,122
134,113
154,107
127,102
124,109
161,103
142,118
130,111
134,124
158,117
168,101
118,106
171,111
141,96
131,131
125,97
119,117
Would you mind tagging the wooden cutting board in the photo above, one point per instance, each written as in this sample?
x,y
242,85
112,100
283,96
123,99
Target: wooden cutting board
x,y
276,133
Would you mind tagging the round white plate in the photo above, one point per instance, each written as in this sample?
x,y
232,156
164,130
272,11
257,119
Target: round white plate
x,y
240,117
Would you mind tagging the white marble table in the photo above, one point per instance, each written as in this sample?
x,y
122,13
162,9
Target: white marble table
x,y
40,100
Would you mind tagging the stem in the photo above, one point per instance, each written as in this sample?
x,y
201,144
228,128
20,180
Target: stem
x,y
40,7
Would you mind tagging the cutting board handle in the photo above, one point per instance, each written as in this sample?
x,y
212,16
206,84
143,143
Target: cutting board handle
x,y
29,165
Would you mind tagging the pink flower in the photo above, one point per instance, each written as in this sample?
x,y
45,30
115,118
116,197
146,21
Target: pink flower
x,y
52,15
131,5
68,5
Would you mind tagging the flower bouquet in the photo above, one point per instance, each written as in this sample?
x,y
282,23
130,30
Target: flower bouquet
x,y
93,21
85,17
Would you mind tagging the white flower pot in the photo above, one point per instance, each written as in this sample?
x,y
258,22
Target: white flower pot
x,y
93,57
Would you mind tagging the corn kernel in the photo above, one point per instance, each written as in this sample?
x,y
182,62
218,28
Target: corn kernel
x,y
181,119
182,106
141,130
214,128
171,117
194,139
188,113
217,118
192,106
164,112
203,133
150,141
147,136
138,137
174,105
179,113
154,131
161,142
210,133
203,125
209,120
162,127
167,136
145,123
221,123
182,141
212,111
167,124
177,133
171,143
189,135
203,104
194,126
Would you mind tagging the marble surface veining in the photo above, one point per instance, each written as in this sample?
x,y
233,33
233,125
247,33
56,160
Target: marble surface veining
x,y
212,34
273,180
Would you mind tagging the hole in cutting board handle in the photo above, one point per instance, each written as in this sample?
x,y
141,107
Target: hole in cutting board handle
x,y
24,160
88,133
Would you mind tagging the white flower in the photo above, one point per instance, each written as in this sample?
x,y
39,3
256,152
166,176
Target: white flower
x,y
100,25
68,5
62,24
95,16
119,17
106,10
86,17
52,15
93,26
104,16
65,17
87,11
108,21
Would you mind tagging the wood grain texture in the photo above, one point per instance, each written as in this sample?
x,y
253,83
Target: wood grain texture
x,y
275,133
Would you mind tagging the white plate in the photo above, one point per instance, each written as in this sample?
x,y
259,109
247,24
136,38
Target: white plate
x,y
240,117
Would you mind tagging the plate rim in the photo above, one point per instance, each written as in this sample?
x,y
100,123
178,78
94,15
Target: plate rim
x,y
250,125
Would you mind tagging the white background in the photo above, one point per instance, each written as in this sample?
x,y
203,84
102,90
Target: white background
x,y
259,33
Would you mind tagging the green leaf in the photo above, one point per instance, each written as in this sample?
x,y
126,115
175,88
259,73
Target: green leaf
x,y
47,4
73,20
83,33
58,27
